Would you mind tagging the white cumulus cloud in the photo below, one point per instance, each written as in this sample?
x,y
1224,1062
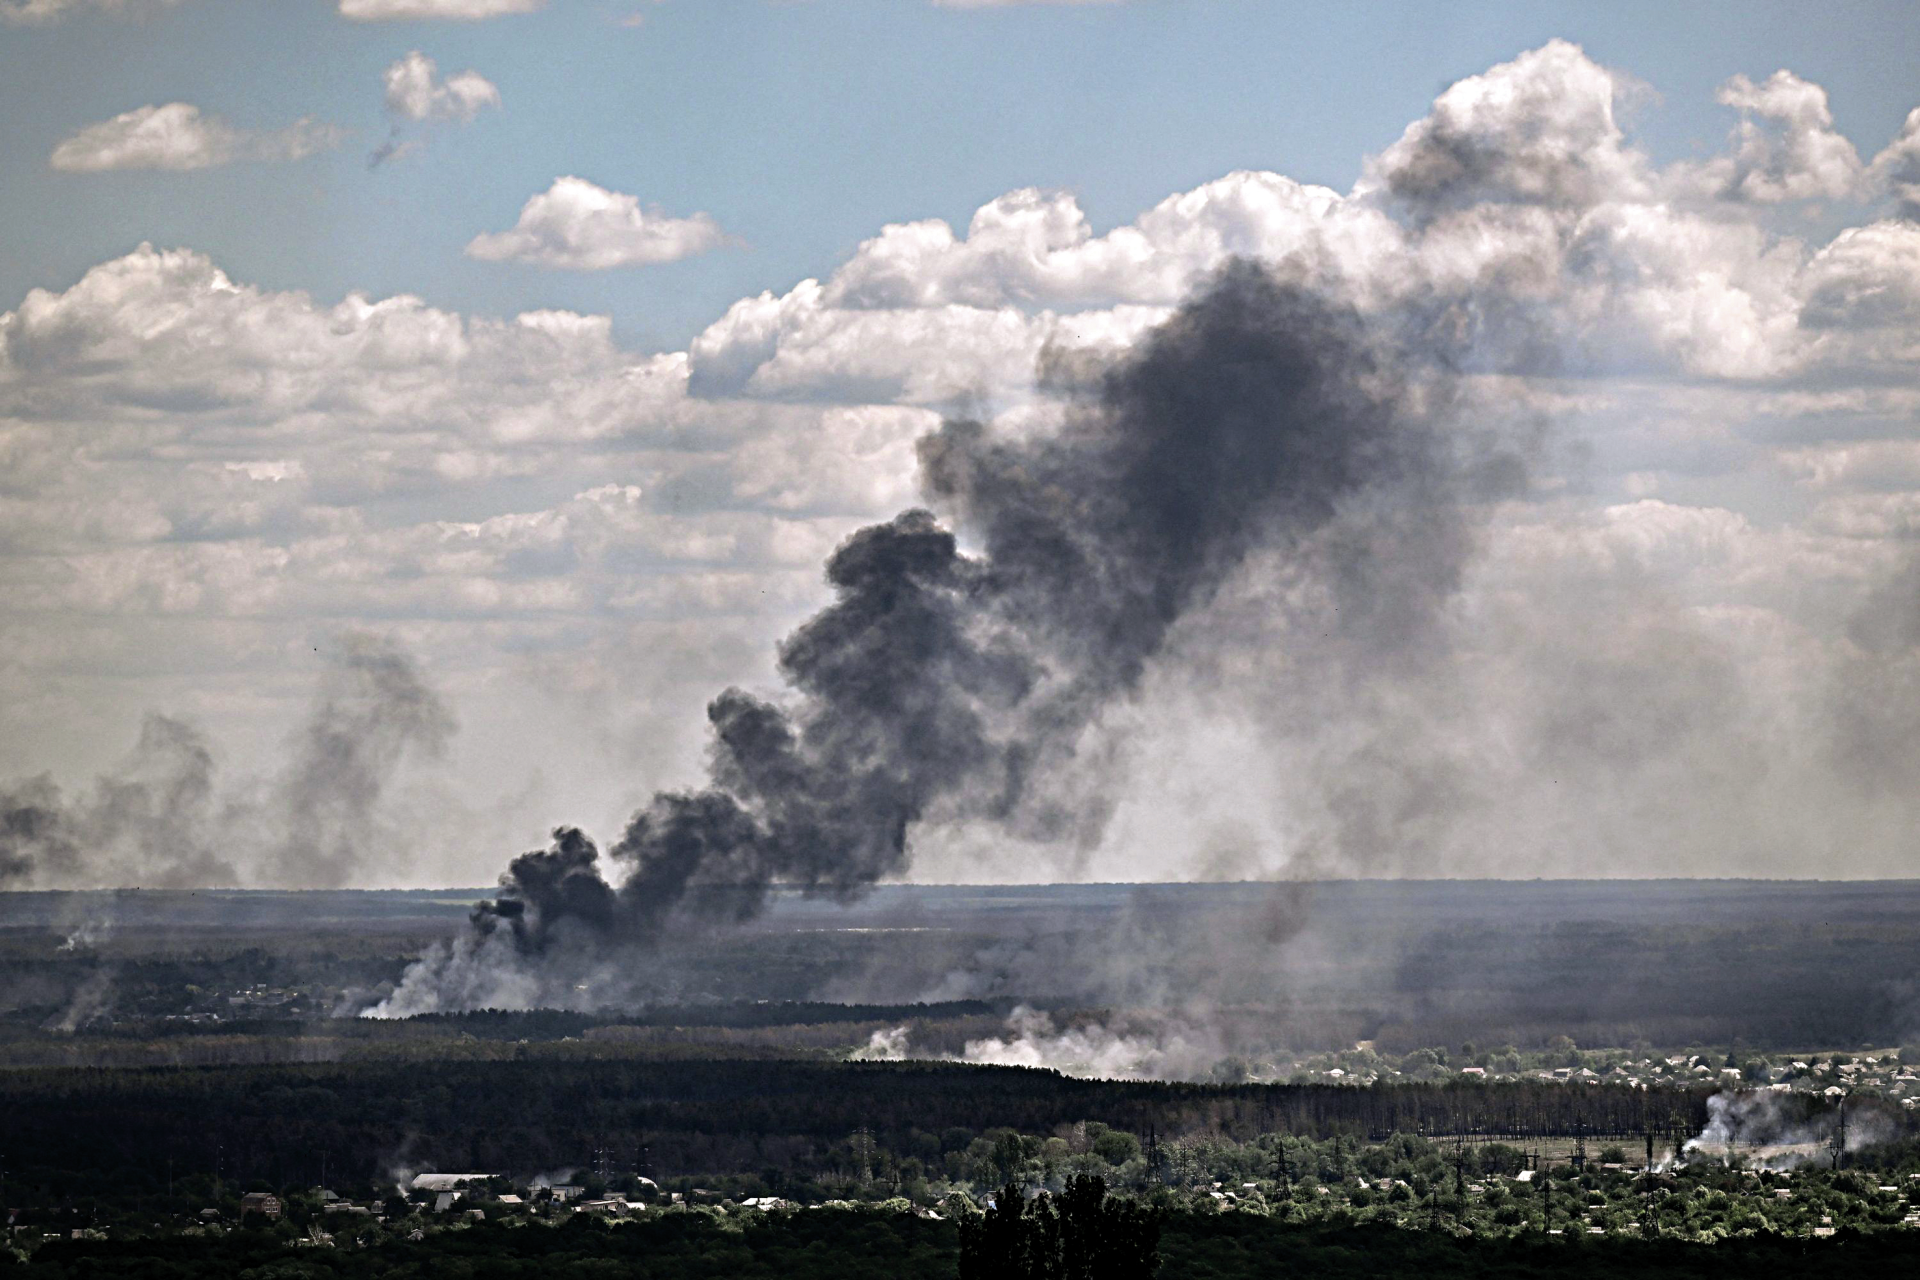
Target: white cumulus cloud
x,y
415,91
179,136
1898,168
1785,147
579,226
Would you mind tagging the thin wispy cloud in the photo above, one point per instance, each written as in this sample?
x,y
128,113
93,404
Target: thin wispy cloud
x,y
47,12
424,10
179,136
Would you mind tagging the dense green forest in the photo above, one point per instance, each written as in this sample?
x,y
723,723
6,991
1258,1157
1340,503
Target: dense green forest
x,y
875,1245
281,1123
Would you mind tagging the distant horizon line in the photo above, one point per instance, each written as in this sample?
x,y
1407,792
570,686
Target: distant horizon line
x,y
793,890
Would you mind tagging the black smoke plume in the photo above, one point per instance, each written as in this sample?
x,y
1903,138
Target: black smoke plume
x,y
944,685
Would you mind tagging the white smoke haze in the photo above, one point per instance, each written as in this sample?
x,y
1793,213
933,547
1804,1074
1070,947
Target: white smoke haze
x,y
1777,1130
889,1044
92,999
1169,1051
1137,1046
401,1176
90,934
473,972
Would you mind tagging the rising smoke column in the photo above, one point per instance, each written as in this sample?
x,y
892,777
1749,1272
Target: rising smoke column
x,y
162,819
373,710
948,687
151,820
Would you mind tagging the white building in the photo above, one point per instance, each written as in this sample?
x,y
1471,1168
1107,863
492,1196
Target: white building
x,y
437,1182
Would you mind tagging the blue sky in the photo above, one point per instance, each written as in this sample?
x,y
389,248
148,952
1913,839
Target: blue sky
x,y
557,460
802,127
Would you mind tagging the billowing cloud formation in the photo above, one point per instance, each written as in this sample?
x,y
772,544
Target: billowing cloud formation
x,y
178,136
36,12
1681,648
1898,167
423,10
416,92
581,227
1785,147
1539,131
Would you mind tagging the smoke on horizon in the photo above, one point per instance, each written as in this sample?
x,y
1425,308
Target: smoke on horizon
x,y
947,687
163,820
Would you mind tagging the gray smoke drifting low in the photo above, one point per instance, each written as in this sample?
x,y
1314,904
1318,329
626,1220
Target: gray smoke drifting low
x,y
1769,1130
944,686
1137,1047
162,819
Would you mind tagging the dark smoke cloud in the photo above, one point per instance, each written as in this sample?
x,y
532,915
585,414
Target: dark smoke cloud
x,y
161,820
949,686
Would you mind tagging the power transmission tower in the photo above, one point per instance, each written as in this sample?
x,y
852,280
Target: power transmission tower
x,y
1649,1226
863,1152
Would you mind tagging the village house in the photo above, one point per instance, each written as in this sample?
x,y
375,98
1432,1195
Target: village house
x,y
264,1203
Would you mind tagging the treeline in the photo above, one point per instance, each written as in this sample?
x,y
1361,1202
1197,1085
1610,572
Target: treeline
x,y
69,1129
874,1245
